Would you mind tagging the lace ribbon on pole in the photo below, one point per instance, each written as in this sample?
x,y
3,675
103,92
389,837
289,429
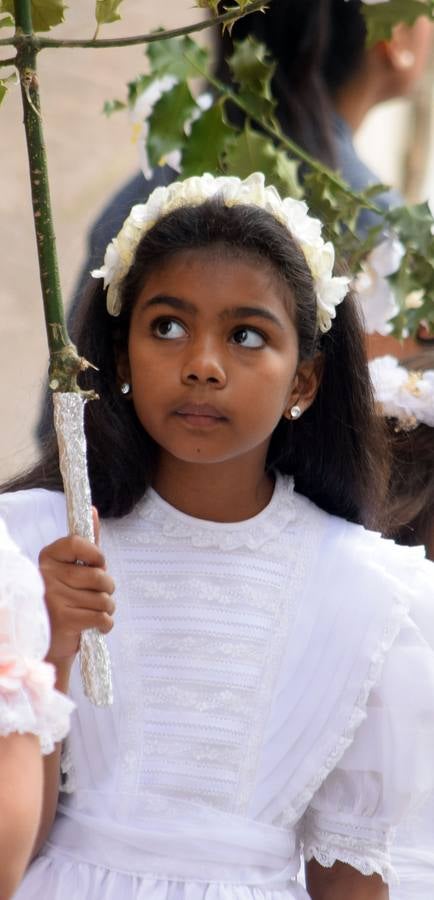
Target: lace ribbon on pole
x,y
68,420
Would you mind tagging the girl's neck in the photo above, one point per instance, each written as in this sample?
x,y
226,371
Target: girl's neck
x,y
218,492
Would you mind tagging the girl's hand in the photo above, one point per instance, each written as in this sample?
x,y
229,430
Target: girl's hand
x,y
77,596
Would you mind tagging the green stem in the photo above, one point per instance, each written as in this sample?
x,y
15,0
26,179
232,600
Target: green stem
x,y
276,134
40,43
64,361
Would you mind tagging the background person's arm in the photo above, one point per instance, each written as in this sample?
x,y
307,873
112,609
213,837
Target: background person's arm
x,y
21,780
342,882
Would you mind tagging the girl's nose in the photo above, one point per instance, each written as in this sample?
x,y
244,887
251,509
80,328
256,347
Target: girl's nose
x,y
204,367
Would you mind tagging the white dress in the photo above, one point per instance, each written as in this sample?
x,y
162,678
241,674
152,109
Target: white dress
x,y
28,701
273,694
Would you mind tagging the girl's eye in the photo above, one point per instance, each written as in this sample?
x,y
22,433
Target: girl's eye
x,y
168,329
248,337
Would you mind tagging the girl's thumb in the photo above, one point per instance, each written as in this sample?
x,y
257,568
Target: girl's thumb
x,y
95,519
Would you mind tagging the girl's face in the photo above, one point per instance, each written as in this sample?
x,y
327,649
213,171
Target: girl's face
x,y
213,357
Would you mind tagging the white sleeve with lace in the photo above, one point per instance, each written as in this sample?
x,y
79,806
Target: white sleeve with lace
x,y
386,772
28,700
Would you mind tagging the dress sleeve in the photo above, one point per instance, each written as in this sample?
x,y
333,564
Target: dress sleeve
x,y
28,700
388,770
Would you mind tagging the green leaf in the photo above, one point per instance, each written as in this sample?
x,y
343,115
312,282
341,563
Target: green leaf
x,y
107,11
252,152
136,87
111,106
414,225
6,22
381,17
170,57
206,145
45,13
3,90
253,71
166,124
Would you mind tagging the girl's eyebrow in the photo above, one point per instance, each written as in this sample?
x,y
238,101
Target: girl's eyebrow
x,y
174,302
234,312
248,312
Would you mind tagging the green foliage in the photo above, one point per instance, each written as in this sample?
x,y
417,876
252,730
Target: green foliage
x,y
252,71
107,11
208,143
382,17
3,89
6,22
180,57
167,123
45,13
111,106
251,151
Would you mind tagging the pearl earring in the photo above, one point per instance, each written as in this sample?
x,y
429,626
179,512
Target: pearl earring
x,y
125,387
295,412
406,59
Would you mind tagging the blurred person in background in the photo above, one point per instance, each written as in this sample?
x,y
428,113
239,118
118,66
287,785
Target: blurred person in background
x,y
33,715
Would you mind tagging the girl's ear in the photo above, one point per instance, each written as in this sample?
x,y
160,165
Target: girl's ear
x,y
305,386
123,368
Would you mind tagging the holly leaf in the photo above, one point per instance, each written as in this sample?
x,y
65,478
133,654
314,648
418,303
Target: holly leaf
x,y
181,57
167,123
381,17
252,152
111,106
207,143
253,71
45,13
107,11
414,225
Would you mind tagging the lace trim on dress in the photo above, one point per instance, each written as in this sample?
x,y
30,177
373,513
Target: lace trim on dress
x,y
401,606
29,703
360,845
251,533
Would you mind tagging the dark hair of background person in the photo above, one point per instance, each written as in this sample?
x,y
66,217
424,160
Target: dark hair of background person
x,y
411,490
336,451
318,46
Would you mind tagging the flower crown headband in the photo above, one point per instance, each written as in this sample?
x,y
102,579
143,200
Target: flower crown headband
x,y
401,394
293,214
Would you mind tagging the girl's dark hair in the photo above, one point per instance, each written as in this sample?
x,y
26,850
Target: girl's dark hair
x,y
411,488
318,46
335,451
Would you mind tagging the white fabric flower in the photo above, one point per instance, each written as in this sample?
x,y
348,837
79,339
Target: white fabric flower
x,y
376,298
403,395
306,230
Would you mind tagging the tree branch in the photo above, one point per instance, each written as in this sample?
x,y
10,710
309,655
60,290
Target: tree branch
x,y
40,43
64,361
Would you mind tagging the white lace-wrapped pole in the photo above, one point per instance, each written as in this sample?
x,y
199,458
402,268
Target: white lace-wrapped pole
x,y
68,420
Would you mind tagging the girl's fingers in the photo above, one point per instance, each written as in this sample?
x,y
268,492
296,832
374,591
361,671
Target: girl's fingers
x,y
68,600
70,549
78,577
95,519
79,620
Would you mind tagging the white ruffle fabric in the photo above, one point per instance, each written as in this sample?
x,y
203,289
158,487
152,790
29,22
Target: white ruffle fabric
x,y
28,701
274,693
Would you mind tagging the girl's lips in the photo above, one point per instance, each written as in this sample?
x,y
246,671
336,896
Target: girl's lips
x,y
200,409
200,414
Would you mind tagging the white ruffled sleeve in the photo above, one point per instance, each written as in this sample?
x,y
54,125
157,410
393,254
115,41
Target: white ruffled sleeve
x,y
389,768
28,701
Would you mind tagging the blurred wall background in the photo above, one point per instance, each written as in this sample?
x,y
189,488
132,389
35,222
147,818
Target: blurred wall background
x,y
89,156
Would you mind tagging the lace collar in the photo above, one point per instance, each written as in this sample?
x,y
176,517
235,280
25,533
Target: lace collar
x,y
251,533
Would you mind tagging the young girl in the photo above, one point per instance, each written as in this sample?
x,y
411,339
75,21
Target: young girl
x,y
272,689
404,393
32,714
